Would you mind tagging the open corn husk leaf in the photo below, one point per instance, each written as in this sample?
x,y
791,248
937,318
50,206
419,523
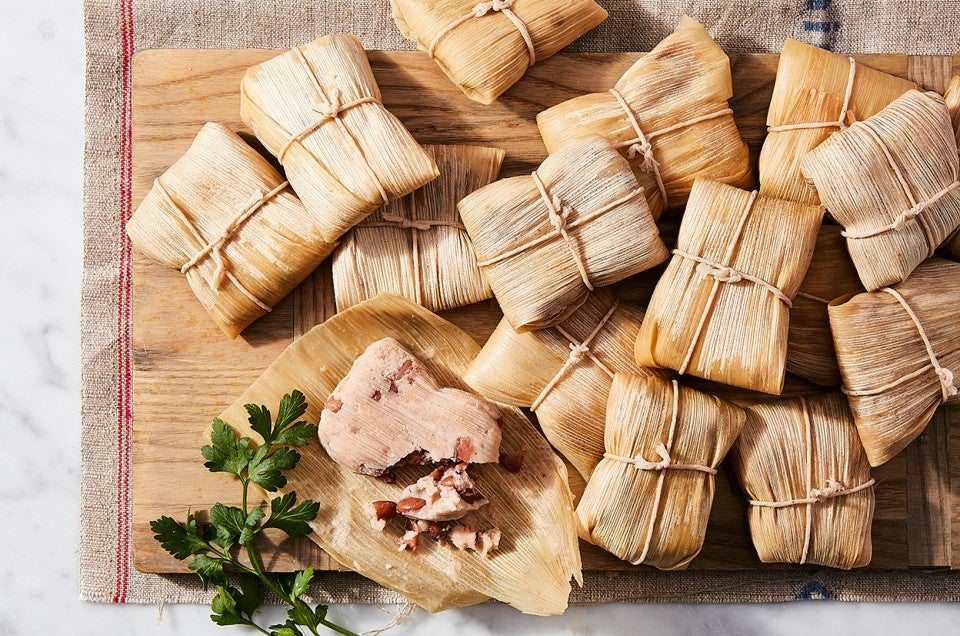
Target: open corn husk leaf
x,y
892,182
543,250
533,507
892,381
517,369
685,77
481,48
223,216
317,108
810,88
725,317
655,510
804,455
416,246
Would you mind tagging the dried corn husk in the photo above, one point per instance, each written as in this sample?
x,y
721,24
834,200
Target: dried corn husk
x,y
317,108
810,89
892,380
952,97
224,216
685,78
543,250
810,353
533,507
416,246
649,498
893,182
721,309
484,48
806,475
568,386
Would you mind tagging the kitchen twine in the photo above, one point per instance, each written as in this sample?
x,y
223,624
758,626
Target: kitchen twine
x,y
577,351
815,496
330,107
845,111
816,299
946,377
641,144
479,10
724,274
416,226
558,215
662,466
214,248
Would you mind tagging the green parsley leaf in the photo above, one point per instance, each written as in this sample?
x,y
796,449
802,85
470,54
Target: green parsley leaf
x,y
178,540
227,453
266,473
259,418
298,434
288,629
251,595
210,570
301,582
291,518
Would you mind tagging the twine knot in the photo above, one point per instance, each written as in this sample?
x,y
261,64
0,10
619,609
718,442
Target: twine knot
x,y
329,110
722,274
645,149
483,8
577,351
664,463
405,223
833,489
559,213
946,382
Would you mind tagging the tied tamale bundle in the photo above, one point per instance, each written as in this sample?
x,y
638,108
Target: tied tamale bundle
x,y
416,246
649,498
533,507
816,93
485,47
802,466
899,353
576,223
721,310
317,109
831,274
893,182
668,114
230,223
952,97
563,373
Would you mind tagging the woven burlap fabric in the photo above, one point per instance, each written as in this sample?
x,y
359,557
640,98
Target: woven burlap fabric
x,y
116,29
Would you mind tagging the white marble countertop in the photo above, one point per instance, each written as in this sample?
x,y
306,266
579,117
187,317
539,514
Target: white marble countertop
x,y
41,66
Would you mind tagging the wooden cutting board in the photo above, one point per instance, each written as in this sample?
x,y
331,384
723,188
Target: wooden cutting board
x,y
186,371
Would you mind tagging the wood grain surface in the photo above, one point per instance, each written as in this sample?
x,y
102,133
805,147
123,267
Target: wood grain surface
x,y
186,371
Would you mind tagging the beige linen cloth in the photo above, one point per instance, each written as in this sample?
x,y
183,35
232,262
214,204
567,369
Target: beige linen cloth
x,y
116,29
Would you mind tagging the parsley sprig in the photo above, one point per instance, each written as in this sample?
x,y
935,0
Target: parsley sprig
x,y
213,547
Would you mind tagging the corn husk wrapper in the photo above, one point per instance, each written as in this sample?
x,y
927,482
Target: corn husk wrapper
x,y
619,505
533,507
831,275
486,55
684,77
541,285
776,461
878,343
861,185
332,168
810,87
952,97
743,341
268,255
515,368
378,257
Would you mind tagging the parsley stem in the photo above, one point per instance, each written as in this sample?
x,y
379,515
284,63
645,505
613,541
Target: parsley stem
x,y
334,627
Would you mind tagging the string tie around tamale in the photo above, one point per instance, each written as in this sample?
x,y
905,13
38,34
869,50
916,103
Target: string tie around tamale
x,y
480,10
214,248
578,350
727,274
945,376
330,107
833,488
816,299
845,112
641,145
665,463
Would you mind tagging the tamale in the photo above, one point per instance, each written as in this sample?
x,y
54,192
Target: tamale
x,y
225,217
893,182
649,498
808,481
951,246
416,246
563,373
576,223
831,274
485,47
899,351
815,94
721,311
534,507
317,109
668,114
